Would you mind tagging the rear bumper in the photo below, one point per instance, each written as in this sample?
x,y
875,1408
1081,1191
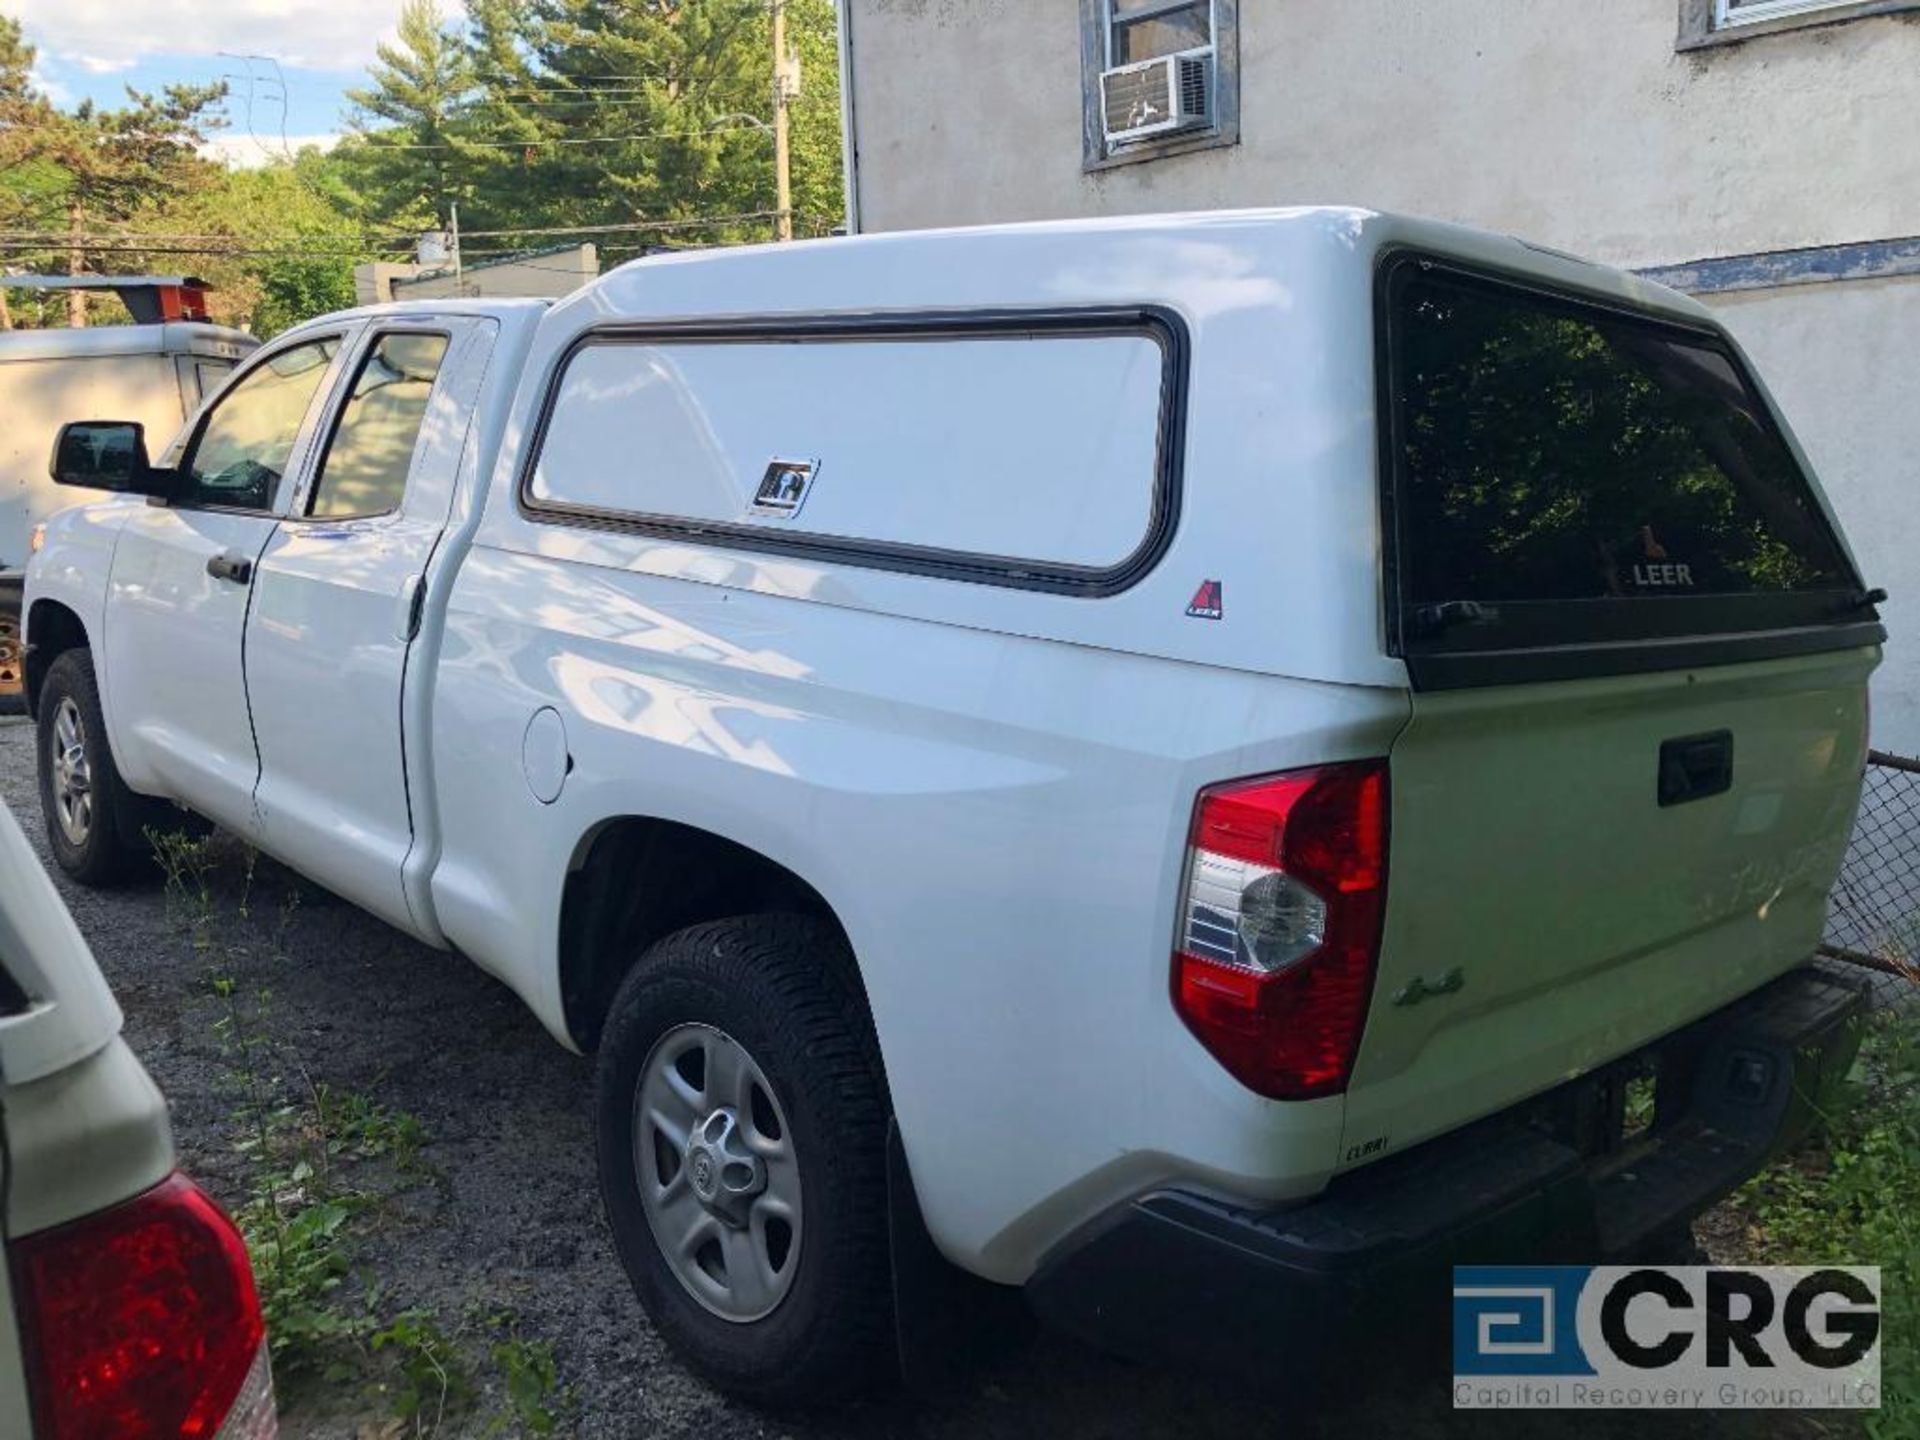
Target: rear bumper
x,y
1188,1278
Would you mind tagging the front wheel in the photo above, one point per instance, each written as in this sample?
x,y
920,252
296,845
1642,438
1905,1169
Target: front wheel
x,y
741,1120
93,819
13,675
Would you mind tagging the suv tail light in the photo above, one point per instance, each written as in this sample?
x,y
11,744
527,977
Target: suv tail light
x,y
1280,918
142,1322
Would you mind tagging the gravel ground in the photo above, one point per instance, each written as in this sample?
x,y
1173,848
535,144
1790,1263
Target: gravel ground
x,y
515,1222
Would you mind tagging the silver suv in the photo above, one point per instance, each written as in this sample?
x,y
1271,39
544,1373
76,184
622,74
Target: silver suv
x,y
127,1303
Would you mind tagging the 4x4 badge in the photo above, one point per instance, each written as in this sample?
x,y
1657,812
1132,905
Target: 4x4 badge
x,y
1420,988
1207,603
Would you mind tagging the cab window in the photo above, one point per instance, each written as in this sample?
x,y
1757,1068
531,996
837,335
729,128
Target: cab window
x,y
246,440
364,471
209,376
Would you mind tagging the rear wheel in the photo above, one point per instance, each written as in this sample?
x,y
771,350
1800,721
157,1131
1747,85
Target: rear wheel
x,y
741,1120
94,822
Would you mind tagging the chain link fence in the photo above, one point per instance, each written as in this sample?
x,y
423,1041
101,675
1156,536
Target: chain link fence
x,y
1874,918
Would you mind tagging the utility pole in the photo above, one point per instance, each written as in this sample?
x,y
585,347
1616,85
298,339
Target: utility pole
x,y
786,75
76,265
459,271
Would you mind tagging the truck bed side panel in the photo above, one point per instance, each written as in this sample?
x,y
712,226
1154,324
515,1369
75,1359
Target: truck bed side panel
x,y
999,824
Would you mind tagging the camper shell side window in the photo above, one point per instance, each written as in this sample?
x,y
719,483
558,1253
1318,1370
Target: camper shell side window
x,y
1036,450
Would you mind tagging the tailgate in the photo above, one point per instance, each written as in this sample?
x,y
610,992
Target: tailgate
x,y
1639,654
1547,912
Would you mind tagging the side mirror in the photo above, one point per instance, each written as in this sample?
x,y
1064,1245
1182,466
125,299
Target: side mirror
x,y
107,455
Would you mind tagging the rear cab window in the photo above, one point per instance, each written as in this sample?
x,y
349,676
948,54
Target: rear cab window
x,y
364,470
1573,489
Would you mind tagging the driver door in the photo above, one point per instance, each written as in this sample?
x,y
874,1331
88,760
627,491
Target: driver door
x,y
173,687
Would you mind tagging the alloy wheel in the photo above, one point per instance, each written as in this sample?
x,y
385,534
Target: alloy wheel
x,y
719,1179
72,773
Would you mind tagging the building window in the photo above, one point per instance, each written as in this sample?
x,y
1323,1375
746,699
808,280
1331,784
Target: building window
x,y
1752,12
1722,22
1148,29
1161,77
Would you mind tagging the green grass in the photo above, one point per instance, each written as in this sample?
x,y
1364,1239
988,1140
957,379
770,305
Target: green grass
x,y
1853,1197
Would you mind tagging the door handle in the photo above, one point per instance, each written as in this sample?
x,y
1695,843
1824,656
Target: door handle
x,y
408,607
234,568
1696,766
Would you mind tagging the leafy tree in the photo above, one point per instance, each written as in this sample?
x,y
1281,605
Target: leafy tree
x,y
107,166
27,179
72,172
295,234
530,115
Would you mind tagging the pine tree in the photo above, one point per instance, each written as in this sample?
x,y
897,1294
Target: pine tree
x,y
410,164
592,112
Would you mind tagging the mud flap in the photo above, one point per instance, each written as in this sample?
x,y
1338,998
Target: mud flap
x,y
945,1321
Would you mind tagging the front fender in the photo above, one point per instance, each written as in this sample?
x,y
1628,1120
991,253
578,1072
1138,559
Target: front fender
x,y
71,570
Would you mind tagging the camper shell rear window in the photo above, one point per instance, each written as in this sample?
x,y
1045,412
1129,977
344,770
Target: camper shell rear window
x,y
1577,489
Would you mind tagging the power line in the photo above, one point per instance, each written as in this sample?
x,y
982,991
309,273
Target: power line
x,y
151,240
625,226
655,137
257,251
567,87
232,252
585,102
157,237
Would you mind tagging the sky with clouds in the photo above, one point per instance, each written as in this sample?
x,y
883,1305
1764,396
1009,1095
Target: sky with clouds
x,y
98,47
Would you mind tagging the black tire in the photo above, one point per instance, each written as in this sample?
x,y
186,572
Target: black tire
x,y
784,988
114,848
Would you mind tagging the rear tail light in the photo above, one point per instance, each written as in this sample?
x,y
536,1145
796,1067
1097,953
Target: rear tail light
x,y
142,1322
1280,925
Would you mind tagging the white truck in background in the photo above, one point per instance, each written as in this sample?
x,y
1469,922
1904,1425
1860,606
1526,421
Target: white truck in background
x,y
155,371
1189,760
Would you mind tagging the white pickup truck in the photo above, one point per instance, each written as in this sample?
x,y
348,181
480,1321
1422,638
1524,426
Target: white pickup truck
x,y
1196,759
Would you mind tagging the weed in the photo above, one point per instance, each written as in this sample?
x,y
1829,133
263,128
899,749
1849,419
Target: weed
x,y
430,1378
531,1380
308,1149
353,1125
299,1208
1847,1200
294,1215
187,862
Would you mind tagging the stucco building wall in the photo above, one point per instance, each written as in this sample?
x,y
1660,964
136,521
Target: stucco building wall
x,y
1841,360
1580,125
1575,124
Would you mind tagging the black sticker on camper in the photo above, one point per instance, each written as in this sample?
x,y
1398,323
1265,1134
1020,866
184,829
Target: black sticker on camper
x,y
1206,603
784,488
